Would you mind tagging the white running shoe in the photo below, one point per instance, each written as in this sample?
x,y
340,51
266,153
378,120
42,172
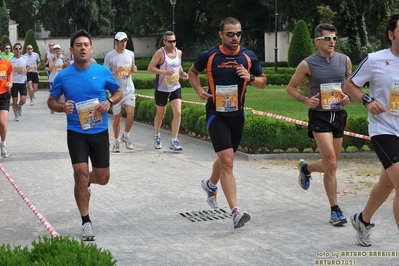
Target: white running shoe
x,y
115,147
31,103
19,111
174,145
240,217
363,232
212,195
87,232
157,142
4,152
128,142
16,118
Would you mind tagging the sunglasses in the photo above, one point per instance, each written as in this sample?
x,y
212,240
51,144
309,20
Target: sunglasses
x,y
327,38
18,48
232,33
171,41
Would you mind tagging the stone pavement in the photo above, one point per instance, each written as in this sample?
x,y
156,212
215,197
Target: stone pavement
x,y
148,213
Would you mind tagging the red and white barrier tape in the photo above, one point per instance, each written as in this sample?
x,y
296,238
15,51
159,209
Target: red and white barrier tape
x,y
41,218
288,119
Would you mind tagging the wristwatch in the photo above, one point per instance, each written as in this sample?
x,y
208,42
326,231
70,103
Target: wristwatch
x,y
251,78
110,101
367,99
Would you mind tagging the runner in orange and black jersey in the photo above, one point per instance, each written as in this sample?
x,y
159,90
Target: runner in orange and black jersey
x,y
221,66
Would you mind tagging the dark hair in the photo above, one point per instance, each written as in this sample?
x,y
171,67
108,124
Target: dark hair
x,y
228,20
391,26
168,33
1,46
15,45
319,28
80,33
7,44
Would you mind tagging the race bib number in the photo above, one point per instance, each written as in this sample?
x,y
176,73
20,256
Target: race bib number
x,y
123,71
57,68
89,117
330,95
31,68
393,105
18,70
226,98
172,81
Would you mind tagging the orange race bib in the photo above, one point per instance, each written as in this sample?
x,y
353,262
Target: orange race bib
x,y
393,104
226,98
123,71
330,95
172,81
89,117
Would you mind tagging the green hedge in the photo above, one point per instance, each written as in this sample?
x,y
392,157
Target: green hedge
x,y
60,251
261,134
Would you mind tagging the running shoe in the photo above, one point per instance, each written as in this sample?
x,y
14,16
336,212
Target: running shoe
x,y
363,232
337,218
19,111
303,180
4,152
174,145
157,142
128,142
31,103
87,232
16,118
240,217
115,147
212,195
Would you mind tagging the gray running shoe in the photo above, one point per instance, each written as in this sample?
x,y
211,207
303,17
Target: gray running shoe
x,y
212,195
116,148
175,146
363,232
4,152
19,111
240,217
31,103
16,118
157,142
87,232
128,142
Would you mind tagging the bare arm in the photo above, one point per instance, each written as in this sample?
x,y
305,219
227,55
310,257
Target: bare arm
x,y
181,71
157,59
54,105
301,72
193,77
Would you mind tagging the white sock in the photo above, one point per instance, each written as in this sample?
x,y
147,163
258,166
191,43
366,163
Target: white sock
x,y
126,134
210,185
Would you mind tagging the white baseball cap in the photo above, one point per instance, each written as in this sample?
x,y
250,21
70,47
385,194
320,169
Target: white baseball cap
x,y
57,46
120,36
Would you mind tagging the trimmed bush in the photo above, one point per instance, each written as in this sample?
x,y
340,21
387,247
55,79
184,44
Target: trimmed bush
x,y
5,40
31,39
301,45
60,251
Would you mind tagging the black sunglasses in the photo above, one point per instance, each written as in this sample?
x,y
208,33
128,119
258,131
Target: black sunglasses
x,y
171,41
232,33
18,48
327,38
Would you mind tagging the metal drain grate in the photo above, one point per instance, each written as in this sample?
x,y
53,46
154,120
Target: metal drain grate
x,y
207,215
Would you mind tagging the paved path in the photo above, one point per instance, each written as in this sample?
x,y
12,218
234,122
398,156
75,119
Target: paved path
x,y
138,215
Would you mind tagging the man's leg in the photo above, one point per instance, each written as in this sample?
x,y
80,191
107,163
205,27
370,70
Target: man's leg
x,y
3,124
116,125
129,117
161,110
329,149
82,178
378,195
223,167
30,90
15,105
176,109
392,172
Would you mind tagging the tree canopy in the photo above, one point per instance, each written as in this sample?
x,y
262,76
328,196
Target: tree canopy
x,y
197,21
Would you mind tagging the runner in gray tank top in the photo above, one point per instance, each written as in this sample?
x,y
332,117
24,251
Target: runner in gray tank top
x,y
327,72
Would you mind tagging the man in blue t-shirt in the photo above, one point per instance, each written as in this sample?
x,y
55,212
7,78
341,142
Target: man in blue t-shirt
x,y
84,85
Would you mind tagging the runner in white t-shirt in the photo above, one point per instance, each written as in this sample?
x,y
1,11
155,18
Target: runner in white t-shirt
x,y
33,73
381,70
121,63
